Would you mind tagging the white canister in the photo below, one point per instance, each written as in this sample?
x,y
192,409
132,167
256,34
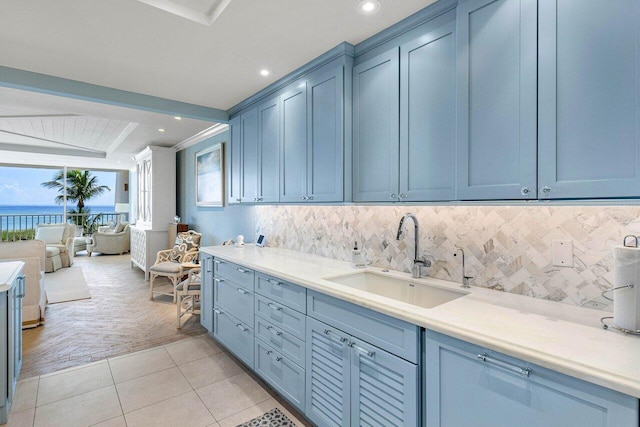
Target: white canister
x,y
239,240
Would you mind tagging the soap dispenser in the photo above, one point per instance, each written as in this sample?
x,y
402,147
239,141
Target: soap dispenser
x,y
357,257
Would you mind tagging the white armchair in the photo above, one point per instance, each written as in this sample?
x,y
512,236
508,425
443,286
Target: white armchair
x,y
58,239
112,243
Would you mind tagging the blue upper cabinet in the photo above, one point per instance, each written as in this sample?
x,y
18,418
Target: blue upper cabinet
x,y
250,154
376,92
234,162
589,99
428,116
325,109
269,151
293,148
496,99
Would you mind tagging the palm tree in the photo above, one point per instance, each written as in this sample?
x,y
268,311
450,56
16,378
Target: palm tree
x,y
80,187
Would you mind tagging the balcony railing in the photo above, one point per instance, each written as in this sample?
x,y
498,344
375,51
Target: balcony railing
x,y
23,226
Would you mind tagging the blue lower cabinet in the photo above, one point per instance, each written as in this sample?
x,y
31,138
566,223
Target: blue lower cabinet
x,y
282,341
353,383
384,388
281,373
206,297
235,298
467,385
233,334
328,375
281,316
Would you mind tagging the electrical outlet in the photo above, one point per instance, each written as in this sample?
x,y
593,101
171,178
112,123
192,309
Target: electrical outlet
x,y
562,252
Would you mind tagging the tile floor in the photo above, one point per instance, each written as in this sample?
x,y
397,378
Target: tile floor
x,y
190,383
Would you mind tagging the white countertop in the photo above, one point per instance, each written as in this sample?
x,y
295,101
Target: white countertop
x,y
560,337
8,272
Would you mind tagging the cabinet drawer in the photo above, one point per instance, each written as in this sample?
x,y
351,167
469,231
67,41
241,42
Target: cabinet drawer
x,y
281,316
393,335
282,341
281,373
235,335
501,391
234,272
237,299
286,293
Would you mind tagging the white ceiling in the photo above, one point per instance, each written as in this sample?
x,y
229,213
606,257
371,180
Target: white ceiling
x,y
204,52
167,52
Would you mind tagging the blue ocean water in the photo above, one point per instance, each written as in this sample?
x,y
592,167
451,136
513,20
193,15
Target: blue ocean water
x,y
26,217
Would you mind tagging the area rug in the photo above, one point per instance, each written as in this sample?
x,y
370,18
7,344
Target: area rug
x,y
273,418
66,284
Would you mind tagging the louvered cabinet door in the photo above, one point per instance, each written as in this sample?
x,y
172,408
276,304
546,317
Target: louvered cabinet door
x,y
327,375
384,388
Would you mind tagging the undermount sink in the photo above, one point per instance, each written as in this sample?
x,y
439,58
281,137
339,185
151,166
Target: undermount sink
x,y
398,289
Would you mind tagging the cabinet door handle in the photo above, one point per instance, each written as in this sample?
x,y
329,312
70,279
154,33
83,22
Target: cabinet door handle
x,y
21,286
259,199
328,333
241,327
303,197
402,195
209,265
275,307
217,261
238,200
242,291
392,196
242,270
525,372
216,279
546,190
275,282
216,311
309,197
525,190
273,331
362,350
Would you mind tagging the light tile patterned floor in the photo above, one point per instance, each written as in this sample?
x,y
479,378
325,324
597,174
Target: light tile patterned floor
x,y
190,383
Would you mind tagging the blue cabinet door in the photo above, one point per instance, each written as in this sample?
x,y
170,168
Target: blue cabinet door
x,y
269,151
496,95
376,93
467,385
384,388
206,297
234,162
589,99
325,137
328,378
428,116
249,149
293,147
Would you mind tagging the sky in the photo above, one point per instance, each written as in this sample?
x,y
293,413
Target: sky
x,y
21,186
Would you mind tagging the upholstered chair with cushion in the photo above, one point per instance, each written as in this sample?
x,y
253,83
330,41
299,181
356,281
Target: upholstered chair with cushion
x,y
58,239
169,262
114,242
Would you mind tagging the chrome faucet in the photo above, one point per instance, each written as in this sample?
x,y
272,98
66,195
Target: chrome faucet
x,y
466,280
418,263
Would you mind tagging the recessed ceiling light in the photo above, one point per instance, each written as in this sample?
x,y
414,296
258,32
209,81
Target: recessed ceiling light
x,y
368,6
160,130
265,72
177,117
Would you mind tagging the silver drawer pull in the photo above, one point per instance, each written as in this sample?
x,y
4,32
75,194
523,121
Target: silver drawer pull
x,y
275,282
525,372
269,352
362,350
242,270
278,359
241,327
218,280
22,286
216,311
273,331
217,261
328,333
242,291
275,307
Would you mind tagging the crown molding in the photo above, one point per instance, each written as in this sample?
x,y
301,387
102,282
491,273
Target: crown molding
x,y
202,136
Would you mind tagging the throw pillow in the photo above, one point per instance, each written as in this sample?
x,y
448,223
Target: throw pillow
x,y
50,235
120,227
185,242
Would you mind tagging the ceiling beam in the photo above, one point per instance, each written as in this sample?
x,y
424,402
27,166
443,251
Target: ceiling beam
x,y
52,150
43,83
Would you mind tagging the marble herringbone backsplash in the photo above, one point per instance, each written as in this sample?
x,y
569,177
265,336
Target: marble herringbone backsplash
x,y
508,247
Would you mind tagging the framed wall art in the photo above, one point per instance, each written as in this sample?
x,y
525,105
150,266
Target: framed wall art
x,y
210,176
